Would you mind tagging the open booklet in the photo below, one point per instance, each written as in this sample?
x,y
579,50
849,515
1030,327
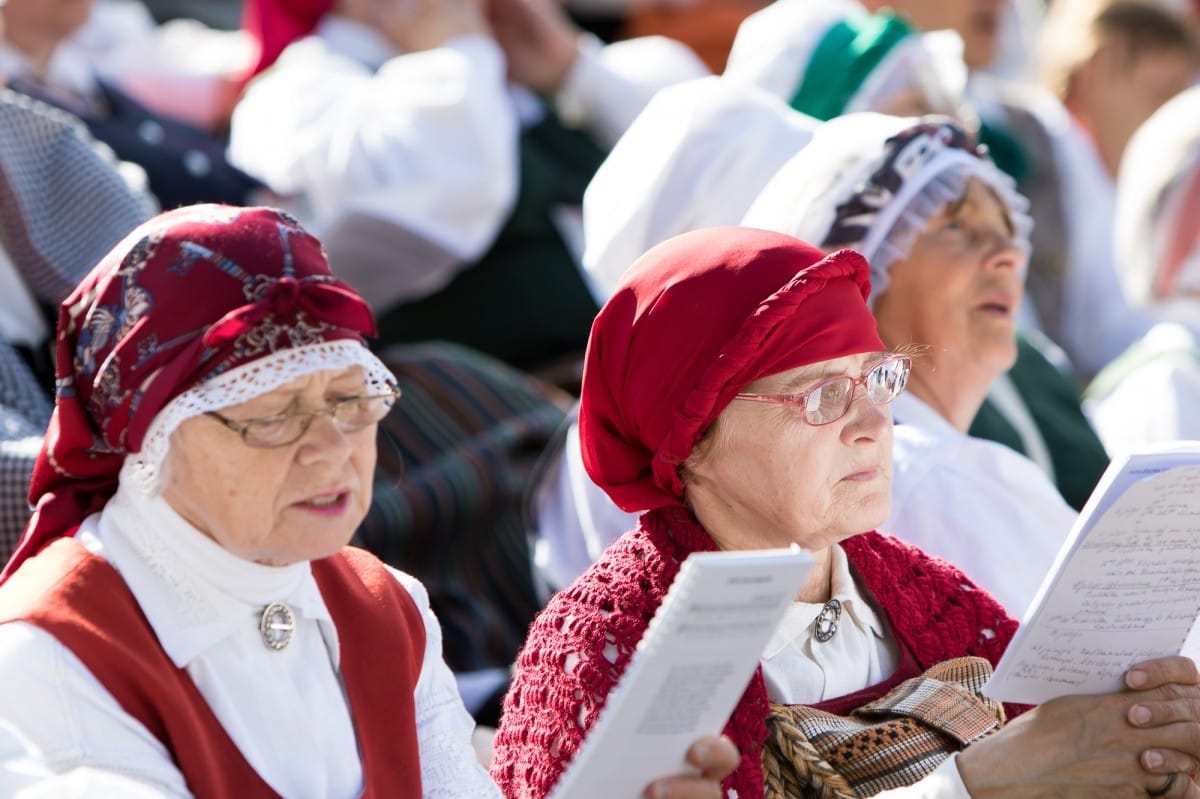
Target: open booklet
x,y
683,681
1125,586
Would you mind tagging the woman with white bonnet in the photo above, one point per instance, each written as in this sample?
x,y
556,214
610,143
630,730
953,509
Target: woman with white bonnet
x,y
945,234
183,615
1151,393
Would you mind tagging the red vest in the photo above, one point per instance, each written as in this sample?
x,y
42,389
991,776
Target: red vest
x,y
81,600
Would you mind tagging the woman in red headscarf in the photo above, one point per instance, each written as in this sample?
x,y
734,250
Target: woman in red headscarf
x,y
721,398
183,614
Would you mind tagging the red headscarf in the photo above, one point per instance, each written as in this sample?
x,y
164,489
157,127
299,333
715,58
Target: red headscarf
x,y
693,321
274,24
185,297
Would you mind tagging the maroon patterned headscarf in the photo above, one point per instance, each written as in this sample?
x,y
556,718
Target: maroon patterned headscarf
x,y
186,297
693,322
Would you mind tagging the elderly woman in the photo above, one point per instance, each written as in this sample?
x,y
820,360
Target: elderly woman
x,y
183,612
722,396
945,234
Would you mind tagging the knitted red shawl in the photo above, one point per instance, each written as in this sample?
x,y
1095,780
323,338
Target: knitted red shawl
x,y
580,644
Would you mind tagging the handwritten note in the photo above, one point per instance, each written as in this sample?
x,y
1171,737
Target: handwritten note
x,y
1126,586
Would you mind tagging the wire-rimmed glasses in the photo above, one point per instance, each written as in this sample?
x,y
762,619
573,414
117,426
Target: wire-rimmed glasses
x,y
828,400
350,414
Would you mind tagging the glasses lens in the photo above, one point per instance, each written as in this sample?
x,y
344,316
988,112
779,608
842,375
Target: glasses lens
x,y
828,401
886,380
356,413
277,432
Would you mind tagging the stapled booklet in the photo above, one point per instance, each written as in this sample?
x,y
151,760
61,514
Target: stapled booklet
x,y
688,671
1125,586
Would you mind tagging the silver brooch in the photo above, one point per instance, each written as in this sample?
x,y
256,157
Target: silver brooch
x,y
277,625
826,623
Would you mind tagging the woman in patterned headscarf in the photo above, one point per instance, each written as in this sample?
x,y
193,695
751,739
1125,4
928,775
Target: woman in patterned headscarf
x,y
182,611
721,399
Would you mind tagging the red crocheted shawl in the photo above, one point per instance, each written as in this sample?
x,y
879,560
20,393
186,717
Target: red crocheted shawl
x,y
580,644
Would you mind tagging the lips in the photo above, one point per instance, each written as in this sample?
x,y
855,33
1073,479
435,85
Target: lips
x,y
998,303
326,501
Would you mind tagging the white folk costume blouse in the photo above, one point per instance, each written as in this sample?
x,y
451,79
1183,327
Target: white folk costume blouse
x,y
425,141
980,505
285,710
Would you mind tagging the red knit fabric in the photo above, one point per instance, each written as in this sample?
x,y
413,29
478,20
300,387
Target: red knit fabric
x,y
81,600
563,675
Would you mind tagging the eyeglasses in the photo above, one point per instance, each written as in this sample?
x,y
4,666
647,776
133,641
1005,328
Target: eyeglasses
x,y
829,400
350,414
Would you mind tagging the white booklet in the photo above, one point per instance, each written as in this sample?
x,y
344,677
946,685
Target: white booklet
x,y
1125,586
688,672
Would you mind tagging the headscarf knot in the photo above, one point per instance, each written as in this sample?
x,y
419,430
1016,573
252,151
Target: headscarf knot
x,y
319,296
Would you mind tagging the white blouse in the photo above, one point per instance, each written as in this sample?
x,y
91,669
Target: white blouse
x,y
801,670
285,710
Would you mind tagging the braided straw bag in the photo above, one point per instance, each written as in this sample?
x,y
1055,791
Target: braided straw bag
x,y
891,742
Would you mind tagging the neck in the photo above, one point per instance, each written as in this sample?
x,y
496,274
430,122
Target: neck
x,y
818,585
951,393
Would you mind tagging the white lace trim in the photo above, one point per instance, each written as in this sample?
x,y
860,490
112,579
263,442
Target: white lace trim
x,y
144,469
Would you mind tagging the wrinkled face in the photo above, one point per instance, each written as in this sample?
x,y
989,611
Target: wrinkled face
x,y
41,20
959,288
976,21
276,506
766,478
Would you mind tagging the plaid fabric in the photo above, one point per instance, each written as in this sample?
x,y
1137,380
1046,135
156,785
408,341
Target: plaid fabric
x,y
64,200
24,413
455,457
889,743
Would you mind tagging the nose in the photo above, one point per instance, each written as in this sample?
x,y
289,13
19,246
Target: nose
x,y
865,421
323,441
1003,253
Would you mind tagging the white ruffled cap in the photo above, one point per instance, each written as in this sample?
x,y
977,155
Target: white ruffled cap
x,y
696,157
1160,157
144,469
803,197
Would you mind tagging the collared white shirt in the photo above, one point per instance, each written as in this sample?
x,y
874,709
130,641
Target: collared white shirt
x,y
285,710
800,670
983,507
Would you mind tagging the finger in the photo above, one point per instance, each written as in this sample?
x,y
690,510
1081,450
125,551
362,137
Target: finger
x,y
715,756
1160,671
1169,761
683,788
1156,713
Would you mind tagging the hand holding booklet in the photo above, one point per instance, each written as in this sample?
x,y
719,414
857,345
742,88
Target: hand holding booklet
x,y
1124,588
690,668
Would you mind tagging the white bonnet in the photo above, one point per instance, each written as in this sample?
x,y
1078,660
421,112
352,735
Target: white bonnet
x,y
696,157
775,49
871,182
